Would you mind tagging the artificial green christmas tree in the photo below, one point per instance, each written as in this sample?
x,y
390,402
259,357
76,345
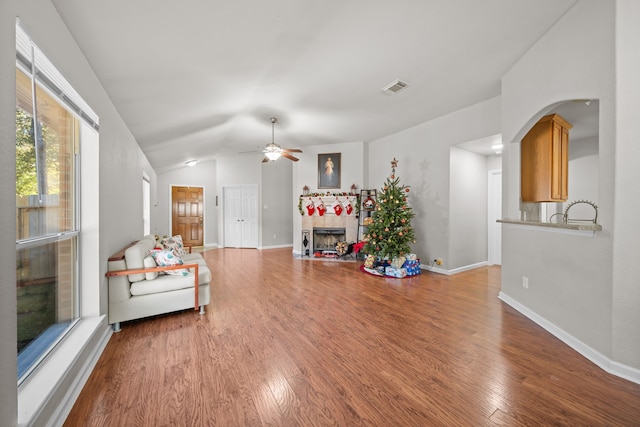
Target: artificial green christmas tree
x,y
390,234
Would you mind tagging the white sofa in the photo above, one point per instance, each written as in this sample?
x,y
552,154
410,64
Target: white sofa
x,y
134,293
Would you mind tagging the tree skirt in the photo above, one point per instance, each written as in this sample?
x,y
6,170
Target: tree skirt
x,y
374,272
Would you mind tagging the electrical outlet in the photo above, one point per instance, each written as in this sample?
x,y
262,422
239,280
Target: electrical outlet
x,y
525,282
437,261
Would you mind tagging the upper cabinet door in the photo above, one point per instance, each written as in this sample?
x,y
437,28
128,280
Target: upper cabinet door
x,y
544,161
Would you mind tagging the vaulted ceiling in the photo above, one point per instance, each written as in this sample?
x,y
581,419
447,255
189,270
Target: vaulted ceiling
x,y
200,79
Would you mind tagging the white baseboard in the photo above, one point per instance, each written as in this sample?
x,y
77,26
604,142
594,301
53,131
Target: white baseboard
x,y
608,365
455,270
289,245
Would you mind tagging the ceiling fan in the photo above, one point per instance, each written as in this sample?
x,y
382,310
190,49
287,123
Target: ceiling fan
x,y
273,151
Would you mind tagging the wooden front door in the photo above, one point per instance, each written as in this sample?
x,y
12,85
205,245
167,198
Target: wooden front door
x,y
187,214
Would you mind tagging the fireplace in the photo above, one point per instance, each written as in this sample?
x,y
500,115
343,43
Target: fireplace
x,y
325,239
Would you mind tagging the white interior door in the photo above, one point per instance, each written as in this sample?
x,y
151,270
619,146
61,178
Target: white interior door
x,y
494,213
240,216
249,216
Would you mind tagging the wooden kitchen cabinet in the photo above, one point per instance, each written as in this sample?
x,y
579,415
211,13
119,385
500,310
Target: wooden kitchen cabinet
x,y
544,161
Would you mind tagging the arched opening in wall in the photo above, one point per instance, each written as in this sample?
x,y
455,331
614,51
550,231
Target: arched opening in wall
x,y
550,164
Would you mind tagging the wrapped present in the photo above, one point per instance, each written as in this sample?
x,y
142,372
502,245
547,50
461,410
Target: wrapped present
x,y
412,267
413,271
369,261
412,257
398,262
395,272
411,263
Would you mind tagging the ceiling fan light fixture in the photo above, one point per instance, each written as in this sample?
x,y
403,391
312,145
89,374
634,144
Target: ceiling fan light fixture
x,y
272,155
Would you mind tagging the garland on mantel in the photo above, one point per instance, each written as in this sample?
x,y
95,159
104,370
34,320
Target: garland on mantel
x,y
329,194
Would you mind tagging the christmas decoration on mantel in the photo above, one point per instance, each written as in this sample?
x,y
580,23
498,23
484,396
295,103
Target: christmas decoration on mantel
x,y
390,233
341,202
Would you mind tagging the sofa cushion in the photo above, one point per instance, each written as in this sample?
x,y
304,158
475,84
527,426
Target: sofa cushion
x,y
174,244
170,283
134,257
150,262
194,258
167,258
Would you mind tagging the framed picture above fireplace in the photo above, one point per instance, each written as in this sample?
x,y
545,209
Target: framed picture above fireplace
x,y
329,170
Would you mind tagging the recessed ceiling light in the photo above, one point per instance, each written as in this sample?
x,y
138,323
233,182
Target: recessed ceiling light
x,y
496,147
191,163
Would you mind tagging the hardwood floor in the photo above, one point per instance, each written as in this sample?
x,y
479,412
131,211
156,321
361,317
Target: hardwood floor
x,y
289,342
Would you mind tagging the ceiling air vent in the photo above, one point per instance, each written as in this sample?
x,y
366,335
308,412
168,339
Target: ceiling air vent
x,y
394,87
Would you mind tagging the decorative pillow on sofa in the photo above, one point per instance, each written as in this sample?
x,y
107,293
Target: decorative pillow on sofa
x,y
150,262
168,258
174,244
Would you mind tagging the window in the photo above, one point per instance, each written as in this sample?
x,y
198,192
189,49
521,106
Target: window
x,y
49,119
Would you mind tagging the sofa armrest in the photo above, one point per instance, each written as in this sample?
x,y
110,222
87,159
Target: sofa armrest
x,y
161,268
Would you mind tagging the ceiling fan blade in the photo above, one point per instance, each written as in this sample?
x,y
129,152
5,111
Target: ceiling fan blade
x,y
289,156
292,150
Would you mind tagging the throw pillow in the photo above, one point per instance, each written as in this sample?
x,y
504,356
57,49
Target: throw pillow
x,y
174,244
148,263
168,258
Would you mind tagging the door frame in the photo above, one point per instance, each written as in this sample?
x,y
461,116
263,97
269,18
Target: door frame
x,y
494,211
254,187
204,209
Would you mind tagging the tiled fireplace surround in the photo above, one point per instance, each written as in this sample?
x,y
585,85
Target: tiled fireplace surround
x,y
331,220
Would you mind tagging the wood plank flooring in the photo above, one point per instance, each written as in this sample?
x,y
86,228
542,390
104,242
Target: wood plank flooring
x,y
289,342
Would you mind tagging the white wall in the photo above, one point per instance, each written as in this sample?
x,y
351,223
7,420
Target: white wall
x,y
120,182
274,183
277,214
423,153
576,285
626,292
202,175
468,208
583,173
305,172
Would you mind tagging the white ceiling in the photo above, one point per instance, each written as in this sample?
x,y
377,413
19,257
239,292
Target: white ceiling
x,y
200,79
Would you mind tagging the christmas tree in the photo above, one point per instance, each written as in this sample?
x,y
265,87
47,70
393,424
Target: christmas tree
x,y
390,234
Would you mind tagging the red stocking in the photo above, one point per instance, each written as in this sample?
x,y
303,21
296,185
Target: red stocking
x,y
321,208
337,208
310,207
348,208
